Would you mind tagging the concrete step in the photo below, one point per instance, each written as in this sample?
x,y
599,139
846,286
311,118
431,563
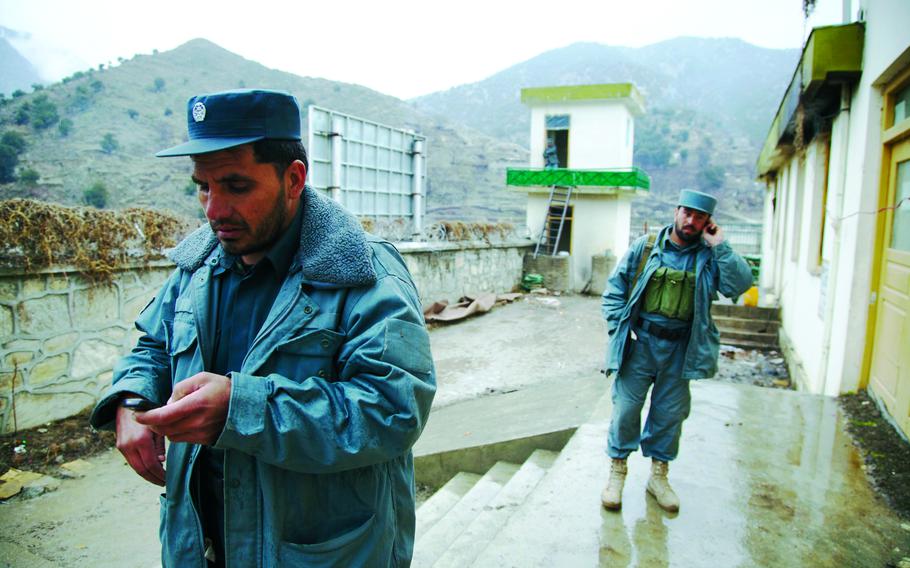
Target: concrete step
x,y
443,500
747,324
434,542
747,344
494,516
731,336
559,524
736,310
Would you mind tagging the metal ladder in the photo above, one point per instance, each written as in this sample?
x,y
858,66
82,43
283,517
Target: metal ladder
x,y
560,195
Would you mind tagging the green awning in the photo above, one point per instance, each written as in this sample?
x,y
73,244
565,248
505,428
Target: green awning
x,y
598,181
832,55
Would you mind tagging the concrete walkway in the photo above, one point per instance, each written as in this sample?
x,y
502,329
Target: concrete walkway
x,y
766,477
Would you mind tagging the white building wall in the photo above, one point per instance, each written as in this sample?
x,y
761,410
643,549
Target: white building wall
x,y
799,288
826,315
601,134
599,223
766,275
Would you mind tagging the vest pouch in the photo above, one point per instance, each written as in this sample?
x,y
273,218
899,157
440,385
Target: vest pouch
x,y
654,291
687,300
672,293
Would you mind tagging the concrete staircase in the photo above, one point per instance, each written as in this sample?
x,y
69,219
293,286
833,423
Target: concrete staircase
x,y
545,512
458,522
747,327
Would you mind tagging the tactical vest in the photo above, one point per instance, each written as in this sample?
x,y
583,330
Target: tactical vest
x,y
669,292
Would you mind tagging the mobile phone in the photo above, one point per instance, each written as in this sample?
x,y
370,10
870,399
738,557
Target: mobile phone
x,y
138,404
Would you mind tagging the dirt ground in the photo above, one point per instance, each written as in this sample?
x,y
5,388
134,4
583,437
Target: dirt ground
x,y
886,455
44,448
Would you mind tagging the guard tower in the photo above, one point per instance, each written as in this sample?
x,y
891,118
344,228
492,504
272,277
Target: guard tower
x,y
579,201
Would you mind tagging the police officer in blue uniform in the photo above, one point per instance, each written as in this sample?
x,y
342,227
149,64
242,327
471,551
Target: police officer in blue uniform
x,y
657,305
289,360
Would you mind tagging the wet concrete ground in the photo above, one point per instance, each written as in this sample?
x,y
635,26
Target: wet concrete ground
x,y
766,477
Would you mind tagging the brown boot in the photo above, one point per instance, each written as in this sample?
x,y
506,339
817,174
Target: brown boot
x,y
659,487
612,493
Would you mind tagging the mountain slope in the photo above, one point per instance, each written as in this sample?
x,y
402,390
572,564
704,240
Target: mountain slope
x,y
16,72
141,104
709,104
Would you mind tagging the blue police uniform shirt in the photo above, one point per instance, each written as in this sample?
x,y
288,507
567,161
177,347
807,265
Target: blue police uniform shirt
x,y
245,296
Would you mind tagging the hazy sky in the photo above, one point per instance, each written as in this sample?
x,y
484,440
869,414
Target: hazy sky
x,y
403,48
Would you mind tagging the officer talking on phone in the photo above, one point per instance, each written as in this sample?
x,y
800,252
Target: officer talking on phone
x,y
657,305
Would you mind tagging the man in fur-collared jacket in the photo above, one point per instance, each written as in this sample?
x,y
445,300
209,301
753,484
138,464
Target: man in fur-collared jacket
x,y
287,358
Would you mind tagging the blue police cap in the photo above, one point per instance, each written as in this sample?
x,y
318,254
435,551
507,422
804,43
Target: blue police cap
x,y
219,121
697,200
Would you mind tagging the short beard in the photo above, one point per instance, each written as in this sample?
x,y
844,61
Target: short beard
x,y
683,237
268,232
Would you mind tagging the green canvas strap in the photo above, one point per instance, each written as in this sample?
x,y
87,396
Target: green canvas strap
x,y
649,246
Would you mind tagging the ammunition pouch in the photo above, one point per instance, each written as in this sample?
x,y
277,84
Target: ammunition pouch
x,y
670,293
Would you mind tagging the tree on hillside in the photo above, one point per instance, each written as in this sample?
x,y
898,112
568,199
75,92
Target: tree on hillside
x,y
43,112
15,140
710,178
29,177
18,93
96,196
109,144
22,114
9,158
65,127
159,84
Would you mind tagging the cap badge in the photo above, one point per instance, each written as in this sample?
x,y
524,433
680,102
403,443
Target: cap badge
x,y
199,112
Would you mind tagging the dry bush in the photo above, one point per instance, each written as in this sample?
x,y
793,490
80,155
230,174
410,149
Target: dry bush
x,y
36,235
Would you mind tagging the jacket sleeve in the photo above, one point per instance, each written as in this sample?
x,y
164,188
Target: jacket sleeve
x,y
376,409
734,276
616,294
146,370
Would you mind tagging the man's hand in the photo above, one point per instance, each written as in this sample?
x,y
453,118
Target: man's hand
x,y
142,448
196,411
713,235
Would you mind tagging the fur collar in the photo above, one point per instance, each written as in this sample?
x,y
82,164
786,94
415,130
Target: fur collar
x,y
333,246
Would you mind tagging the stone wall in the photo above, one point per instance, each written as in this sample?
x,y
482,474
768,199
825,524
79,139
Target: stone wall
x,y
60,335
556,270
448,271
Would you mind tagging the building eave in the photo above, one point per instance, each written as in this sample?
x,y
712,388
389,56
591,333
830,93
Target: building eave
x,y
832,56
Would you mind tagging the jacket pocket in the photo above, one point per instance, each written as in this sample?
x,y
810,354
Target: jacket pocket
x,y
348,549
311,353
313,342
183,337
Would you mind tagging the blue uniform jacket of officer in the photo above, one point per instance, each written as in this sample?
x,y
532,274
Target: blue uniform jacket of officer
x,y
717,269
334,391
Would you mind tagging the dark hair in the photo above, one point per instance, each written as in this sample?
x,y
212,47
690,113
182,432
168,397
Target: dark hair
x,y
280,153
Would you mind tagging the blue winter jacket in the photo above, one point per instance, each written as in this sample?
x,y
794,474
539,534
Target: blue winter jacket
x,y
717,269
332,394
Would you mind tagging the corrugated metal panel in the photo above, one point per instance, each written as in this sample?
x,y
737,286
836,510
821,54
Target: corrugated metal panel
x,y
376,163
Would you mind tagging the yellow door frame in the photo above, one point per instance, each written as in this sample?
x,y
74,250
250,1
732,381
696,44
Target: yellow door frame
x,y
892,135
